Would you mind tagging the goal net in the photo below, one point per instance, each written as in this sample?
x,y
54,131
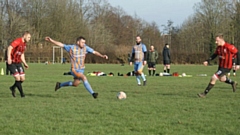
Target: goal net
x,y
56,54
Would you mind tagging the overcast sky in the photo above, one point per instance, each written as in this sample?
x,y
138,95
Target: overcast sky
x,y
159,11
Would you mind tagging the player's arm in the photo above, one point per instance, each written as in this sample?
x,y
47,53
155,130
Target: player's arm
x,y
169,54
145,56
9,60
24,61
156,57
54,42
237,60
209,59
132,58
144,49
99,54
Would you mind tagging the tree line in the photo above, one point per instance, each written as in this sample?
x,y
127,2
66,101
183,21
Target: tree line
x,y
112,31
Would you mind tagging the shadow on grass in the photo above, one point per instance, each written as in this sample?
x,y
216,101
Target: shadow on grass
x,y
41,95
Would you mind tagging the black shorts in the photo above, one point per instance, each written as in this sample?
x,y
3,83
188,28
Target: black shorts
x,y
16,69
222,71
166,62
151,65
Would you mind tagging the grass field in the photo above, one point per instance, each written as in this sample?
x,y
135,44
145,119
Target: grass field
x,y
166,106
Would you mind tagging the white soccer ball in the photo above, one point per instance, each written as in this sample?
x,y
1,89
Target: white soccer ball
x,y
121,95
161,74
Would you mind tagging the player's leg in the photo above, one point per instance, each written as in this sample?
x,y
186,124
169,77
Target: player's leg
x,y
18,74
79,74
63,84
19,85
137,74
211,84
22,79
154,68
140,72
149,69
168,68
234,69
164,68
7,70
227,80
234,72
13,69
68,83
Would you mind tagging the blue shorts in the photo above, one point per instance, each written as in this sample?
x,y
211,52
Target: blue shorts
x,y
76,73
138,66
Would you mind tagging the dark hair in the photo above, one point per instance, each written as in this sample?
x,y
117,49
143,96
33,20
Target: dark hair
x,y
138,36
166,44
80,38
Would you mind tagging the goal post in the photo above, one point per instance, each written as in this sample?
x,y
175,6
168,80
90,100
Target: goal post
x,y
61,49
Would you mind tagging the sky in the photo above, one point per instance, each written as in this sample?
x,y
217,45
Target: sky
x,y
159,11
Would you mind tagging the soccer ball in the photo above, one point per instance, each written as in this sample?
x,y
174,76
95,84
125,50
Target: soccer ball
x,y
121,95
161,74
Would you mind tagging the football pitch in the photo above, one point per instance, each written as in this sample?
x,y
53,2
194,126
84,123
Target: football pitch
x,y
166,106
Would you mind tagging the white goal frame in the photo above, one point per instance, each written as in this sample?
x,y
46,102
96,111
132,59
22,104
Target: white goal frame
x,y
57,47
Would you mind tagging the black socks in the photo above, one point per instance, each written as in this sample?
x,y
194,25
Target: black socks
x,y
209,87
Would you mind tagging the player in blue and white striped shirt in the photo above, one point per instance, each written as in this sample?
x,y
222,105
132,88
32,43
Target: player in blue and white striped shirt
x,y
77,54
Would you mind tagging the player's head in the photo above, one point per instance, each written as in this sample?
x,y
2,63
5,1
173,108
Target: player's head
x,y
167,45
26,36
152,47
80,41
138,40
219,39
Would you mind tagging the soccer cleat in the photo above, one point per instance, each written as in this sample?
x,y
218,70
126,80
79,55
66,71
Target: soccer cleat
x,y
145,83
57,86
234,86
13,91
201,95
95,95
22,95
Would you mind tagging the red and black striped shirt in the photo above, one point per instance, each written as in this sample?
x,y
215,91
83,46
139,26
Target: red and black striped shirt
x,y
18,49
225,54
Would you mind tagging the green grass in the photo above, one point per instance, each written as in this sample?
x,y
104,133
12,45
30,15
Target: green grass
x,y
166,106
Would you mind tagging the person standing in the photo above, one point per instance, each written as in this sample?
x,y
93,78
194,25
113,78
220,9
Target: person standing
x,y
139,52
152,56
225,53
77,53
15,58
166,58
233,67
5,58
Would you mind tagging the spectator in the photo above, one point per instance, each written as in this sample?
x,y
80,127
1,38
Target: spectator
x,y
166,59
152,57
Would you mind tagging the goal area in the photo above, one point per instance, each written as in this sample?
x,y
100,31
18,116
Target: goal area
x,y
56,52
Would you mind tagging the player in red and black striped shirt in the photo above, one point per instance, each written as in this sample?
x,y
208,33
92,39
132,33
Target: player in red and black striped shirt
x,y
15,58
225,53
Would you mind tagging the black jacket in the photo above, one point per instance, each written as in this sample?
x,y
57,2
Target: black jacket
x,y
166,54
